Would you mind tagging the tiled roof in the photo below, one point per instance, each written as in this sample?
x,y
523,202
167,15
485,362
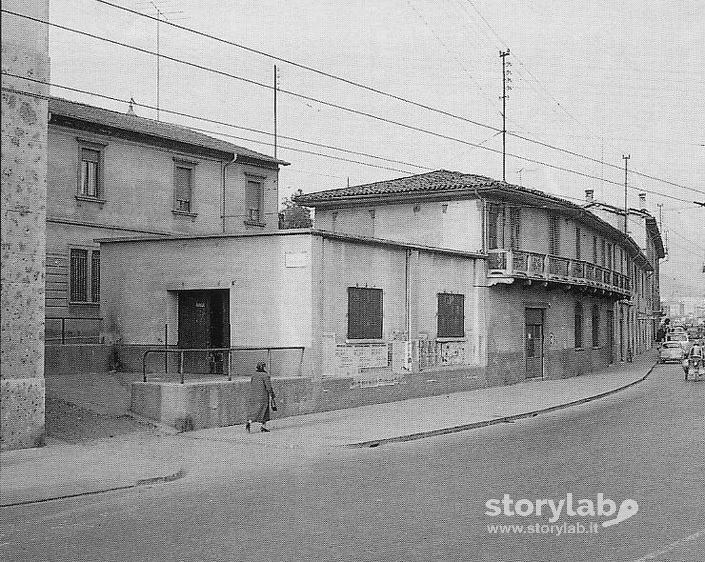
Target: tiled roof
x,y
151,127
439,180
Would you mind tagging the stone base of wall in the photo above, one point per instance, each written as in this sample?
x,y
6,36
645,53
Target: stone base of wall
x,y
200,405
21,413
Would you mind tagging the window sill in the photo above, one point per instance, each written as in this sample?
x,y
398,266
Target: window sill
x,y
579,349
84,303
184,213
364,341
255,223
90,199
444,339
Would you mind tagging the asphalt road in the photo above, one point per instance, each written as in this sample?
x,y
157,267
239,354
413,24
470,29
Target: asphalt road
x,y
421,500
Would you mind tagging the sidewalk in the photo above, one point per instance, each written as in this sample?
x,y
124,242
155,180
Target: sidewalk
x,y
57,471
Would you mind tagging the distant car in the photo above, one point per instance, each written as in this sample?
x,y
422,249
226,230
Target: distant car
x,y
671,351
678,330
680,338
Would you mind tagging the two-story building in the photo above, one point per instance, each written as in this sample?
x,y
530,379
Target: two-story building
x,y
117,174
563,289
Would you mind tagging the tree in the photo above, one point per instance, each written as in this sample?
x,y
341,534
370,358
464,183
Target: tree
x,y
293,215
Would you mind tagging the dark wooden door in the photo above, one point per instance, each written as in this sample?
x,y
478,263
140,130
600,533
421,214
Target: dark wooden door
x,y
203,324
533,339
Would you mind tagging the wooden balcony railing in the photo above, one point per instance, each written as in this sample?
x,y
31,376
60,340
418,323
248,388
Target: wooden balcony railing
x,y
533,265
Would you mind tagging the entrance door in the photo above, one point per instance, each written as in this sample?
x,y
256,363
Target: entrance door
x,y
534,342
203,324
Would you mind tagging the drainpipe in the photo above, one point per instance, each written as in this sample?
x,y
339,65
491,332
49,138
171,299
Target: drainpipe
x,y
225,168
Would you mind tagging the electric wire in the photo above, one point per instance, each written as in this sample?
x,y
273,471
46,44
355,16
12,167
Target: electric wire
x,y
394,96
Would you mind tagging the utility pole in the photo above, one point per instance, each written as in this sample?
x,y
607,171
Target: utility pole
x,y
660,216
626,209
276,87
505,71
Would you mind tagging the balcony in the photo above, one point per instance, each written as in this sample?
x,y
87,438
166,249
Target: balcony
x,y
506,265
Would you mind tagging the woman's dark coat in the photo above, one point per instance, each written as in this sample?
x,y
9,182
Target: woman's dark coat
x,y
260,392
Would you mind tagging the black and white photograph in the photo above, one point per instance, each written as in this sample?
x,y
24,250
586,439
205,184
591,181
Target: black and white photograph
x,y
352,280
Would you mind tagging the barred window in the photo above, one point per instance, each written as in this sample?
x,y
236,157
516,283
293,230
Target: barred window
x,y
578,325
364,313
451,315
85,280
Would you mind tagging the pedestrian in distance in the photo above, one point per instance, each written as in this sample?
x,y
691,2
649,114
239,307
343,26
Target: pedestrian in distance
x,y
261,399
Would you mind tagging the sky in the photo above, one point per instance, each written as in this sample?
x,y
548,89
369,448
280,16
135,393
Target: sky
x,y
599,79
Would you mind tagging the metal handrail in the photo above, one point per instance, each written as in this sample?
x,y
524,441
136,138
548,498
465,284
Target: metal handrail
x,y
229,350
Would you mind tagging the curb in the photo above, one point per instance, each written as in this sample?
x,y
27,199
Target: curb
x,y
486,423
144,482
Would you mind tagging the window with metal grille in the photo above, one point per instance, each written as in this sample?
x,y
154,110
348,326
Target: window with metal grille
x,y
595,326
253,201
364,313
89,185
578,325
554,235
183,187
451,315
493,224
84,275
514,227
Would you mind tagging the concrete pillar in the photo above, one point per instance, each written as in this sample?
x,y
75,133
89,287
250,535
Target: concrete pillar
x,y
25,53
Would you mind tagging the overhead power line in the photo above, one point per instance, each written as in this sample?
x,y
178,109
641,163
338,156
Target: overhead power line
x,y
333,105
397,97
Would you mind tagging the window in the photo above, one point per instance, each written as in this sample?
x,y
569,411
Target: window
x,y
83,277
90,170
602,253
578,325
594,250
577,242
493,238
451,315
514,227
595,326
183,186
253,201
554,235
364,313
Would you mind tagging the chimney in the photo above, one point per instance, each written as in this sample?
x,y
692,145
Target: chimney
x,y
589,195
642,200
131,109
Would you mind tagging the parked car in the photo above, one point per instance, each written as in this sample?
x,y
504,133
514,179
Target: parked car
x,y
681,339
671,351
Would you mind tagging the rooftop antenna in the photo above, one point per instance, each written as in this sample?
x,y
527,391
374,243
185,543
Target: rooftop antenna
x,y
626,209
161,15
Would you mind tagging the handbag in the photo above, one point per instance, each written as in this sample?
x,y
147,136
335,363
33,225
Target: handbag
x,y
274,404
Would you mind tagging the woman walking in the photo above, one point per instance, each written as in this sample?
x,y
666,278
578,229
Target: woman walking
x,y
261,393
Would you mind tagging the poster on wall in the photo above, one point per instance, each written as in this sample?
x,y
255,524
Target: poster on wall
x,y
453,353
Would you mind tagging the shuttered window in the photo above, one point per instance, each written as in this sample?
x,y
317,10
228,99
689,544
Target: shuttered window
x,y
183,187
95,276
451,315
554,235
514,227
578,325
364,313
79,275
85,276
253,201
493,224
